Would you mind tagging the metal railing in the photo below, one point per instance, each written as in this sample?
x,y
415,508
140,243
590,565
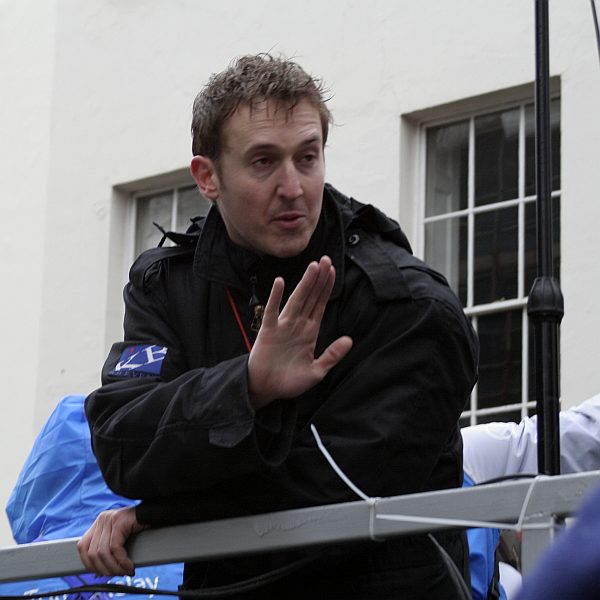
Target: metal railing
x,y
534,504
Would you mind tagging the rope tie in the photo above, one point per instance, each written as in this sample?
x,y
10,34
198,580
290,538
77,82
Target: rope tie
x,y
372,502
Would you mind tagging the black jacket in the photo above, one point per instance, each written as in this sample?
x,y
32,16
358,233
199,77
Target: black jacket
x,y
186,440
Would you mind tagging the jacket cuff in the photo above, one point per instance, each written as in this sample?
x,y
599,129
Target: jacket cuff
x,y
271,427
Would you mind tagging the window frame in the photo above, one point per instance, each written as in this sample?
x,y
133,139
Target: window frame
x,y
428,119
133,213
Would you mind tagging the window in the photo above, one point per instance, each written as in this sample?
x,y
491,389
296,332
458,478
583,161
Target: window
x,y
171,208
479,229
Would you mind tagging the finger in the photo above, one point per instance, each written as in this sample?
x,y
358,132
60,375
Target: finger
x,y
83,546
88,548
106,563
320,302
303,296
117,546
333,354
271,313
298,297
100,548
128,526
322,283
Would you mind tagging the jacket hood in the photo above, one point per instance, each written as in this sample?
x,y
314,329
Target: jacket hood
x,y
60,489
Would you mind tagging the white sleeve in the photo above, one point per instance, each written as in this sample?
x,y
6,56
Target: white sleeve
x,y
580,437
498,449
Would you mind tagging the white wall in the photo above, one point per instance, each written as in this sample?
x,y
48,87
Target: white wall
x,y
101,93
26,78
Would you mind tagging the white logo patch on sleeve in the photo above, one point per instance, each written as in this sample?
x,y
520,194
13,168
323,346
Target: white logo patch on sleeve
x,y
139,361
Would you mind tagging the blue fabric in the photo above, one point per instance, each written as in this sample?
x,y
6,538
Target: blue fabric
x,y
570,569
167,577
59,493
482,548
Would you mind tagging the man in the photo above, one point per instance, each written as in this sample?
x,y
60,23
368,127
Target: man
x,y
289,305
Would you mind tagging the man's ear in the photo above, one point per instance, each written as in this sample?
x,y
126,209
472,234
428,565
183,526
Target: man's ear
x,y
204,173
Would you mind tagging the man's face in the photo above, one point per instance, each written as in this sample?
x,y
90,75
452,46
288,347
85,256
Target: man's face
x,y
269,182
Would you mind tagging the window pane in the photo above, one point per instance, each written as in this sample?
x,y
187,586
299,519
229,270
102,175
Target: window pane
x,y
496,157
494,275
530,242
496,243
447,168
150,209
190,203
446,252
530,185
500,359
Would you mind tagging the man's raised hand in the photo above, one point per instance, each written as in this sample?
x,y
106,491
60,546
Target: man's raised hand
x,y
282,363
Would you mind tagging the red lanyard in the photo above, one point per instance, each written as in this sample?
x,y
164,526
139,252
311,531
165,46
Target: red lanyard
x,y
236,314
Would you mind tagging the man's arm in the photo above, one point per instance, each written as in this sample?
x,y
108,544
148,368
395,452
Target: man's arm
x,y
497,449
185,429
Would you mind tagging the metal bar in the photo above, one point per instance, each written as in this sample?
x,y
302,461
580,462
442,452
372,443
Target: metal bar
x,y
542,139
545,303
501,502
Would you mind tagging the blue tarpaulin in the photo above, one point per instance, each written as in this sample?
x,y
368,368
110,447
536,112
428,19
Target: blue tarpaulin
x,y
59,493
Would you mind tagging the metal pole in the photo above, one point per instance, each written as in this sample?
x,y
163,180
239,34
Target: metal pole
x,y
545,305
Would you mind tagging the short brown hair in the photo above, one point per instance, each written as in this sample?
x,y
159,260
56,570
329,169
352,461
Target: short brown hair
x,y
251,79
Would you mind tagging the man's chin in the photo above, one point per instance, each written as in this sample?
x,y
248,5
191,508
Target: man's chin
x,y
287,250
286,254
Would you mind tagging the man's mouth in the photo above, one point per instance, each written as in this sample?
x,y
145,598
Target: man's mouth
x,y
289,220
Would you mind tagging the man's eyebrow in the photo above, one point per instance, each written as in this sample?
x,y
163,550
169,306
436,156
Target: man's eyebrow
x,y
317,139
266,146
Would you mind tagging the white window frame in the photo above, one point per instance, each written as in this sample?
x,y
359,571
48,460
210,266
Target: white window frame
x,y
133,213
520,302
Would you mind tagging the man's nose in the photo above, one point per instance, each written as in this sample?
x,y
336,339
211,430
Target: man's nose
x,y
289,181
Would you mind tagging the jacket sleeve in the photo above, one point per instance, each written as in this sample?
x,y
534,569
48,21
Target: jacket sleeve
x,y
157,424
498,449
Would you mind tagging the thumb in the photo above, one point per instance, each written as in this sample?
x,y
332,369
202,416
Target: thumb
x,y
334,353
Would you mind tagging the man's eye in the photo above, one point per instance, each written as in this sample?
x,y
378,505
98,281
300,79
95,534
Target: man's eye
x,y
309,157
261,162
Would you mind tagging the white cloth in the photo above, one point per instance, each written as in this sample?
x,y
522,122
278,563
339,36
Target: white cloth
x,y
511,580
497,449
